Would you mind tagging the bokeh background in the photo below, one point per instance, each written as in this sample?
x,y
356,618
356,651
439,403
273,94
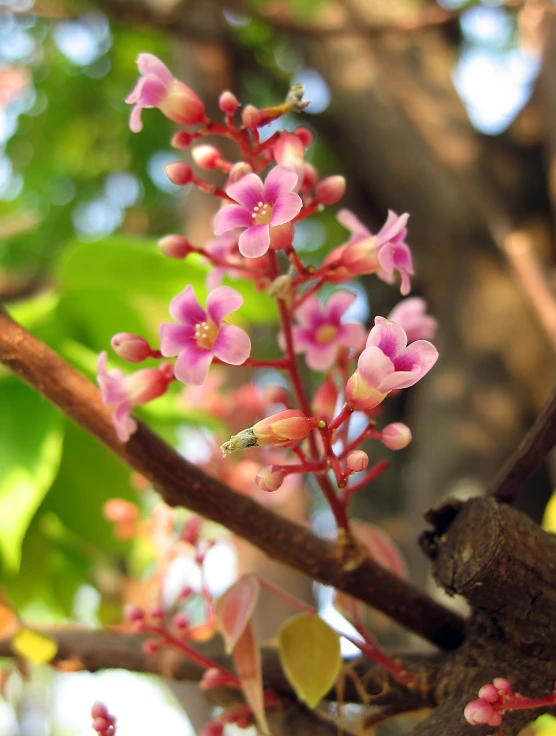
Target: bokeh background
x,y
444,110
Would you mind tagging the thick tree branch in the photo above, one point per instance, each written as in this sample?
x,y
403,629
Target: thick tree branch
x,y
529,456
182,484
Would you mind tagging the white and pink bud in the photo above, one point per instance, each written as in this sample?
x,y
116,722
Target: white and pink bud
x,y
182,140
205,156
480,712
175,246
284,429
396,436
179,173
238,171
330,190
130,347
228,102
357,460
251,117
270,478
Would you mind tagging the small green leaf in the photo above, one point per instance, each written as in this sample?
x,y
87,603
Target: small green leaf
x,y
310,655
31,432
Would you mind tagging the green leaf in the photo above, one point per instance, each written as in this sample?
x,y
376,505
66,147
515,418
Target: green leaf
x,y
89,476
31,432
310,655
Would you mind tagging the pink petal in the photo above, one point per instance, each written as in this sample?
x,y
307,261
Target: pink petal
x,y
338,303
248,191
420,353
286,208
374,367
386,259
192,365
393,227
303,339
353,335
310,313
221,302
151,64
135,122
175,338
124,425
388,336
408,311
230,217
352,223
319,357
232,345
405,287
254,241
279,182
185,307
403,258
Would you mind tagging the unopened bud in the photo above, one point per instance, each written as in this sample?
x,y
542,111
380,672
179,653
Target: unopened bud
x,y
179,173
281,236
280,287
228,103
304,135
500,683
251,116
479,712
325,399
99,710
238,171
212,729
212,678
133,614
396,436
180,621
130,347
181,140
310,176
175,246
270,478
207,157
191,529
357,461
330,190
151,647
489,693
118,510
284,429
156,613
186,592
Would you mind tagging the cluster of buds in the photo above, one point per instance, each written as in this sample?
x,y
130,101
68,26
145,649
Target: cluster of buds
x,y
496,698
263,196
103,723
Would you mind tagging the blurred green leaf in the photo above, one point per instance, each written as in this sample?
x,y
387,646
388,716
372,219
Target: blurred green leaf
x,y
31,432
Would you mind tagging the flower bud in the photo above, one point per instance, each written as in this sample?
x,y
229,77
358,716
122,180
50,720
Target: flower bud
x,y
175,246
251,116
304,135
288,151
270,478
185,593
310,176
150,646
180,621
133,614
212,729
181,140
156,613
130,347
179,173
207,157
228,103
325,399
212,678
281,286
489,693
479,712
330,190
281,236
396,436
502,684
238,171
116,510
99,710
191,529
182,105
357,461
284,429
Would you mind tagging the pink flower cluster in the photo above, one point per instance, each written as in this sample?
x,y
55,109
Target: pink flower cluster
x,y
496,698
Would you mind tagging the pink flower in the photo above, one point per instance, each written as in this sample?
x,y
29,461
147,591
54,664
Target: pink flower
x,y
479,712
158,88
321,332
366,253
386,364
202,335
124,392
260,207
411,315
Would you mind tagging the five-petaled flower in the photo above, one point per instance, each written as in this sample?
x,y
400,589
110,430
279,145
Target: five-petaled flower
x,y
320,331
124,392
387,364
366,253
157,87
260,208
201,335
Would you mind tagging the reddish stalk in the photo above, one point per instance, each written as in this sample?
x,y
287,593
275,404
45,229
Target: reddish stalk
x,y
373,473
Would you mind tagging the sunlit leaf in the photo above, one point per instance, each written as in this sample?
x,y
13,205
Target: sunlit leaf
x,y
31,433
310,655
235,607
34,647
247,662
549,518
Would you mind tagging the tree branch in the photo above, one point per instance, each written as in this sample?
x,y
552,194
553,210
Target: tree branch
x,y
528,457
182,484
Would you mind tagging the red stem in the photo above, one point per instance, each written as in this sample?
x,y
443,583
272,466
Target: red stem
x,y
367,432
346,412
373,473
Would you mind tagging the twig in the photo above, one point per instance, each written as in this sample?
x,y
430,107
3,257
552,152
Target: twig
x,y
182,484
528,457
